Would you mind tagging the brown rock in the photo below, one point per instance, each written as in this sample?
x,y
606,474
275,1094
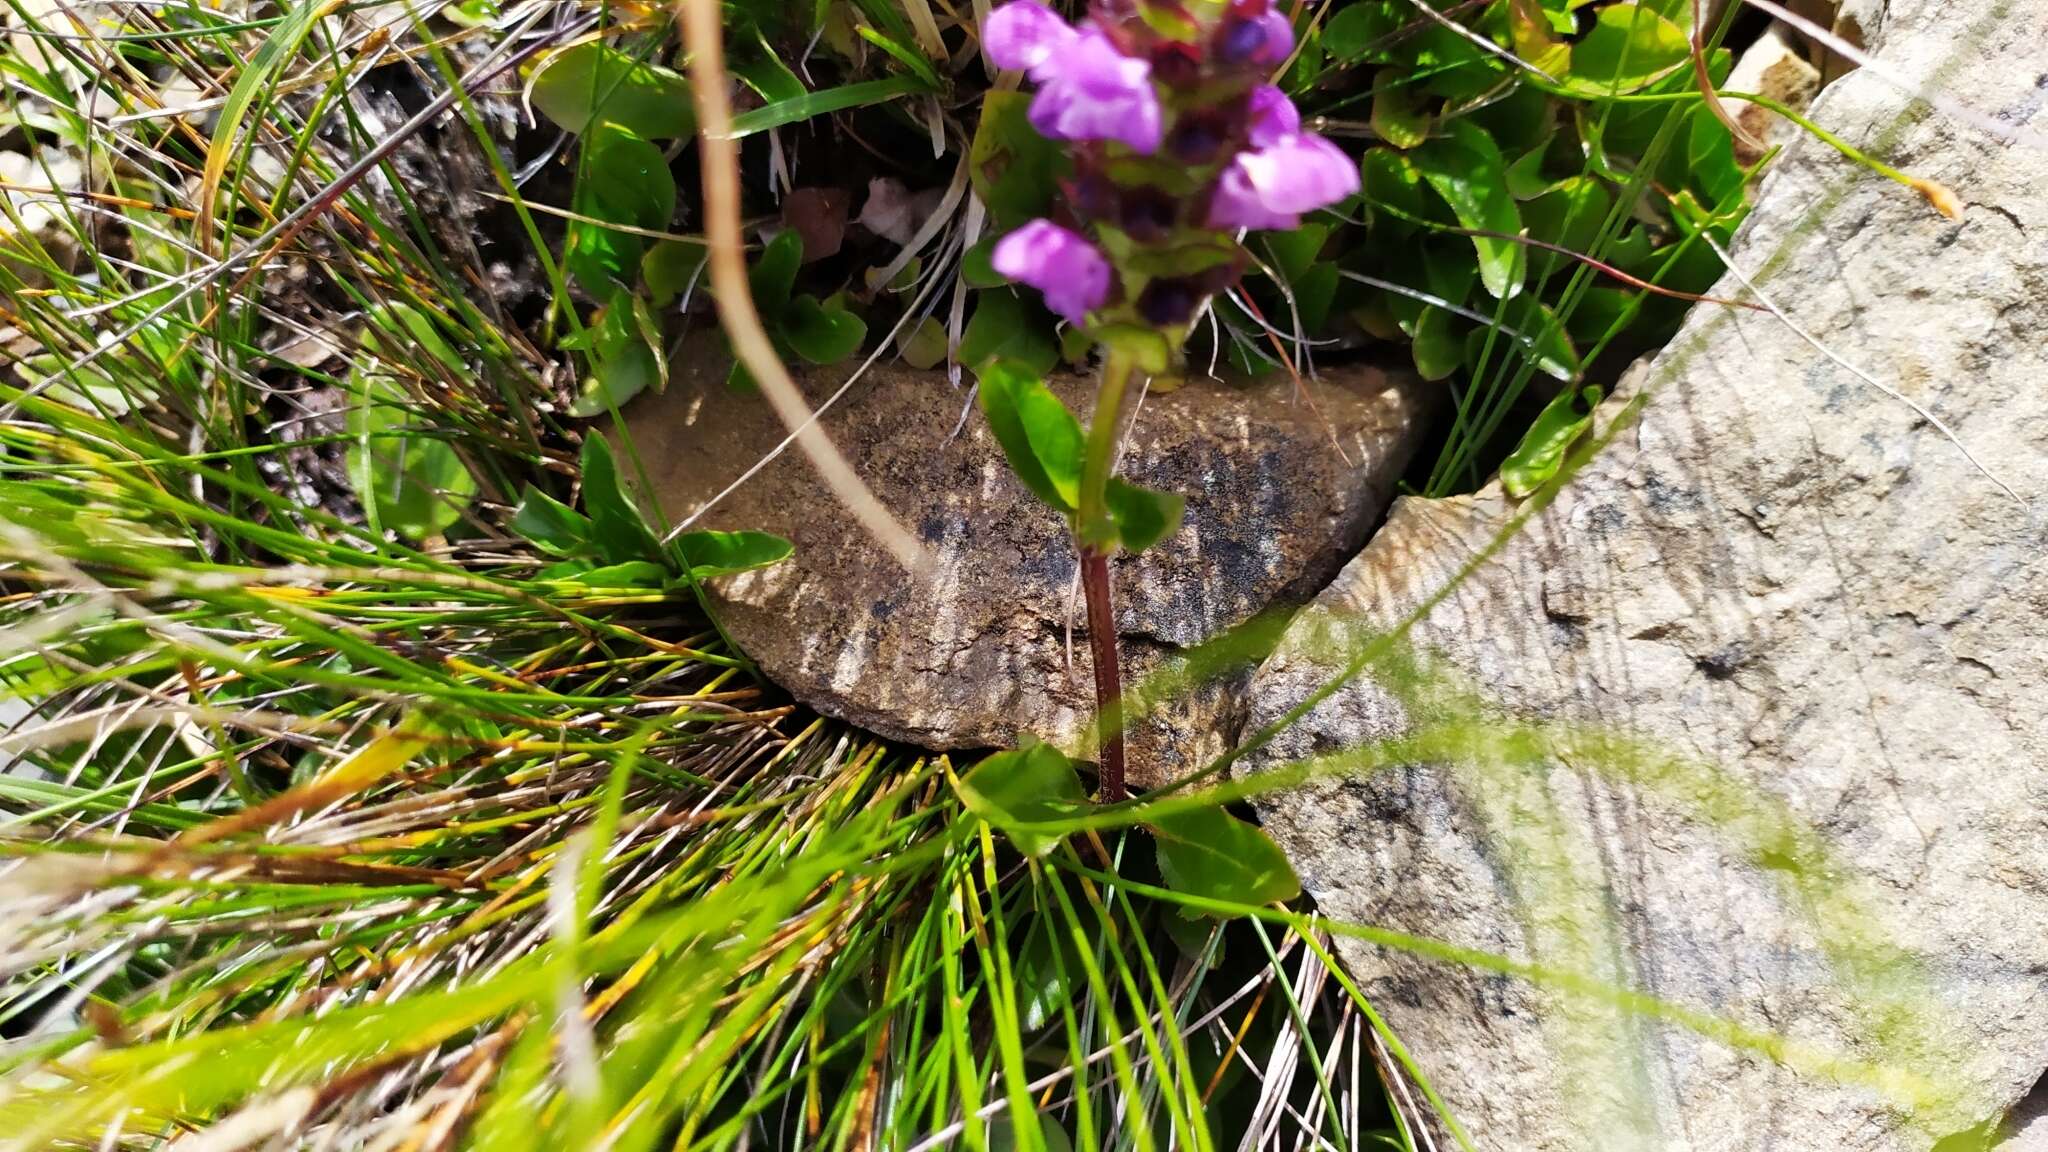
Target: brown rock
x,y
1770,67
974,652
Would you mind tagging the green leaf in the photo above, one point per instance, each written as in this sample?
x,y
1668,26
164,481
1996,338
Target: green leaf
x,y
797,108
1544,340
1311,280
1014,170
409,482
1467,171
1521,120
1457,69
625,357
1390,180
1143,348
1142,516
1295,252
1400,113
761,68
1436,348
631,574
1629,48
671,267
977,265
773,275
1536,460
1007,326
595,82
1526,177
1599,315
1364,31
712,554
1533,37
1569,214
1710,157
1210,853
1040,438
624,180
909,58
1027,786
924,345
820,334
615,379
553,527
621,533
1196,940
1046,970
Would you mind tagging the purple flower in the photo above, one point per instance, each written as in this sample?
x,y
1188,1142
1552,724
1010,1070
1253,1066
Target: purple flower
x,y
1026,34
1272,187
1068,269
1090,91
1272,116
1259,40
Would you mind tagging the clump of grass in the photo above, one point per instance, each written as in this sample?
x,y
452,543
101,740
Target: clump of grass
x,y
340,814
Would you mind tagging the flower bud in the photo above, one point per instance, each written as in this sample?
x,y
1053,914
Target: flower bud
x,y
1147,214
1169,303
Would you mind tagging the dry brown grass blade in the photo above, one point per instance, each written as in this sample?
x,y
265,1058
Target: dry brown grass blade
x,y
720,156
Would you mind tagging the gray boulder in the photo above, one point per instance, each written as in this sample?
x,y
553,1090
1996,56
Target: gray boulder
x,y
974,652
1748,721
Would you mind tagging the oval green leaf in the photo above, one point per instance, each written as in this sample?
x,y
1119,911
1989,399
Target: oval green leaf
x,y
1466,169
1210,853
1536,460
596,83
624,180
410,482
552,526
712,554
1142,516
1019,790
1629,48
1040,437
620,532
820,334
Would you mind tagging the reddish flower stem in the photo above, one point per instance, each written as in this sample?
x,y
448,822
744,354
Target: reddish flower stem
x,y
1096,538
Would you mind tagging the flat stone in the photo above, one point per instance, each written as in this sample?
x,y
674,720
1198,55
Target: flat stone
x,y
1825,630
975,652
1770,67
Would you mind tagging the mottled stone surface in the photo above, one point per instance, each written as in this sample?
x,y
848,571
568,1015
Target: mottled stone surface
x,y
1814,614
1770,67
974,652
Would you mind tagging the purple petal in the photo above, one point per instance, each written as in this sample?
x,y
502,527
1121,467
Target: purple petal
x,y
1261,40
1299,173
1272,116
1026,34
1058,262
1236,204
1277,38
1093,92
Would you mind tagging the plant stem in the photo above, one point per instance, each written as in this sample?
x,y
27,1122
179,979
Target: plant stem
x,y
1109,688
1092,520
1095,537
